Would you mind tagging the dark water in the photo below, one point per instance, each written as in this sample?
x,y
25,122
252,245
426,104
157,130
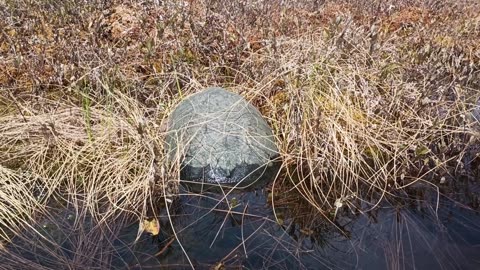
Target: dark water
x,y
405,233
398,235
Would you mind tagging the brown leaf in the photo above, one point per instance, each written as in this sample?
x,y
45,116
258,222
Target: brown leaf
x,y
151,226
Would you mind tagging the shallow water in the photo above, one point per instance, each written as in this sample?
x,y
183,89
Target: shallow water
x,y
416,236
405,234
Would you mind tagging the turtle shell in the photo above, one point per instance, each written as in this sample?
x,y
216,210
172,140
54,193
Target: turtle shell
x,y
221,141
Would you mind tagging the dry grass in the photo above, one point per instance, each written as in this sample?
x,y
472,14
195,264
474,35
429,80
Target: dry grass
x,y
100,160
363,98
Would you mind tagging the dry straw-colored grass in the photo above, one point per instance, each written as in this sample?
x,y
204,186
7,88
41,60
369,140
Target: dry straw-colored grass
x,y
363,98
101,160
97,151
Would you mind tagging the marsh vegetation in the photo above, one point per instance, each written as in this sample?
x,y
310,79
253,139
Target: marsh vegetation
x,y
372,103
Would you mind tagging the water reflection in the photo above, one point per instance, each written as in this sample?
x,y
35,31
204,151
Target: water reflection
x,y
403,233
413,229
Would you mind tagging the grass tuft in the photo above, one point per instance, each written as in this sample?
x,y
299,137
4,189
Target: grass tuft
x,y
365,99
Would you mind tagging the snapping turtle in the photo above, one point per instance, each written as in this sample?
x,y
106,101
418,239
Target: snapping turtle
x,y
221,141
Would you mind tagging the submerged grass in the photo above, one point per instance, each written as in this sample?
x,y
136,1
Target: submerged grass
x,y
364,99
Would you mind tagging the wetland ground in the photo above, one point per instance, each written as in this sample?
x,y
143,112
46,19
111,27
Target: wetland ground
x,y
374,107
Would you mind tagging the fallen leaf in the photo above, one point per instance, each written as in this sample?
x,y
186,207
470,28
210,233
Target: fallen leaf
x,y
151,226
